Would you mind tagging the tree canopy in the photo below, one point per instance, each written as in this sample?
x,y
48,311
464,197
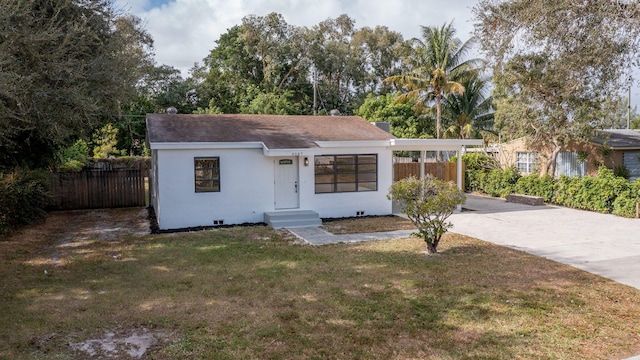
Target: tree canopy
x,y
66,67
470,114
405,120
69,68
268,58
436,65
557,64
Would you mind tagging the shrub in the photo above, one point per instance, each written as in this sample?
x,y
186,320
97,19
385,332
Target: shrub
x,y
625,203
566,191
475,180
72,166
621,171
428,203
536,186
591,193
24,195
477,161
75,157
476,166
501,182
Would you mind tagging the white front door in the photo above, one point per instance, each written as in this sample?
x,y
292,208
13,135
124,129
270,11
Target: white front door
x,y
286,183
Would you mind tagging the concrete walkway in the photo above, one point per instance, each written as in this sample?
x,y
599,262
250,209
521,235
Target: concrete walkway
x,y
602,244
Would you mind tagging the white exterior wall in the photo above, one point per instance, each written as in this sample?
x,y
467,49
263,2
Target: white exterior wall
x,y
153,181
346,204
247,188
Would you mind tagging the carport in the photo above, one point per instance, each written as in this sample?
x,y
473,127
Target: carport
x,y
424,145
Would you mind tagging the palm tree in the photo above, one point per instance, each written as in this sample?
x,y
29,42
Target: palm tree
x,y
471,112
436,62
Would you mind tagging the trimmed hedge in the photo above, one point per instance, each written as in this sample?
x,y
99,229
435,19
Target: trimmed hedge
x,y
535,185
477,168
501,182
625,203
591,193
24,196
605,193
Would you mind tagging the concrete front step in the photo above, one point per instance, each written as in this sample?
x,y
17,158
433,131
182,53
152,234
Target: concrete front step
x,y
292,218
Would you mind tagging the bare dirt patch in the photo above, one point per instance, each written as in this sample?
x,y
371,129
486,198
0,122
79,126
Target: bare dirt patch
x,y
132,343
63,231
65,234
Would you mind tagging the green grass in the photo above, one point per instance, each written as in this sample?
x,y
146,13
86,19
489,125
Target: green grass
x,y
254,292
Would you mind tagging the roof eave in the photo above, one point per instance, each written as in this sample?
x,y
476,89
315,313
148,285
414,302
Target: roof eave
x,y
433,144
204,145
354,143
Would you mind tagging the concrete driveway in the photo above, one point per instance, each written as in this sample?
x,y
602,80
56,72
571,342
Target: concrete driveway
x,y
602,244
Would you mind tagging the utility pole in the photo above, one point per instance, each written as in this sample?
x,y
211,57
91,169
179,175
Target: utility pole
x,y
629,106
315,92
629,110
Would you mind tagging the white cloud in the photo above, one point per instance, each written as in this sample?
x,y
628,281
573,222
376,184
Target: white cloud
x,y
186,30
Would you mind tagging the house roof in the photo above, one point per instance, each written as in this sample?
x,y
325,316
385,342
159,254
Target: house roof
x,y
619,139
275,131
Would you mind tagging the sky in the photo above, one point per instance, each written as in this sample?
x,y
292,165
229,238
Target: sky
x,y
184,31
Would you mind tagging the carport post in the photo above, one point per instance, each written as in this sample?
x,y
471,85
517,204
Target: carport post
x,y
423,154
459,172
459,168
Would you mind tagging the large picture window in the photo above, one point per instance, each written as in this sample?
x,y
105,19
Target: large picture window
x,y
346,173
207,174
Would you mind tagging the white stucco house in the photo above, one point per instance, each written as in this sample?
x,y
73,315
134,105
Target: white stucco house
x,y
210,170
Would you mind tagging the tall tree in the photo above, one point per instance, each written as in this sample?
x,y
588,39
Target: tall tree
x,y
66,66
469,113
339,65
278,47
383,51
436,63
266,57
262,55
228,71
556,64
159,88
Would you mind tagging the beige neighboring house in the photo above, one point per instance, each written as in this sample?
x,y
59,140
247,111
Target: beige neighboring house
x,y
611,148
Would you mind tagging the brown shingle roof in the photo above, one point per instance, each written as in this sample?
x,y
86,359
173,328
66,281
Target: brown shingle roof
x,y
275,131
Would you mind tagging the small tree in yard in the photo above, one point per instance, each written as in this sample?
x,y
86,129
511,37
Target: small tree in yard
x,y
428,203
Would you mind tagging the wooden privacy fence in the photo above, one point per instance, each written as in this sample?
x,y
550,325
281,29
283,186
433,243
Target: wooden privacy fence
x,y
446,171
95,189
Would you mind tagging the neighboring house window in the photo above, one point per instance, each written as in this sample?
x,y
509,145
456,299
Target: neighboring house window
x,y
631,160
207,174
527,162
571,164
346,173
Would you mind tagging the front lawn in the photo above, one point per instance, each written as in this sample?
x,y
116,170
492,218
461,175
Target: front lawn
x,y
257,293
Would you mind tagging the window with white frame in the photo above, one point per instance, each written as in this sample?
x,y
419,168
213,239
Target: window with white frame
x,y
207,174
527,162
